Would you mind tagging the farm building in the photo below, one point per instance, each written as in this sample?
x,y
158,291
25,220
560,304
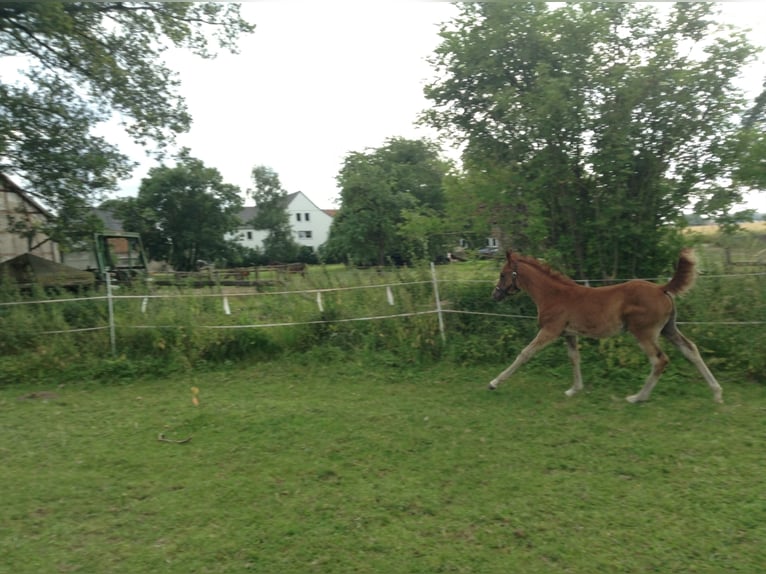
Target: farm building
x,y
27,270
121,248
17,206
310,224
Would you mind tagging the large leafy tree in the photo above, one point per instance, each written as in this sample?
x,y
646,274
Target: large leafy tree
x,y
272,215
752,146
598,122
183,213
389,196
85,63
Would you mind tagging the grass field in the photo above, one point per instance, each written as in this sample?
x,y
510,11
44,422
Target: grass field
x,y
314,464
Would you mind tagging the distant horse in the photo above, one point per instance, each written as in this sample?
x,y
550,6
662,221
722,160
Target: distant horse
x,y
646,310
297,268
282,268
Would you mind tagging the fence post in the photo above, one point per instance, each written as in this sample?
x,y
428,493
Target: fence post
x,y
438,302
110,307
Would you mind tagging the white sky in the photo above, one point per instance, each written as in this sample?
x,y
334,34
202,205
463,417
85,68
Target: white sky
x,y
313,83
318,80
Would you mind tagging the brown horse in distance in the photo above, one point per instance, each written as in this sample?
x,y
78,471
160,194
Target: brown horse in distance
x,y
646,310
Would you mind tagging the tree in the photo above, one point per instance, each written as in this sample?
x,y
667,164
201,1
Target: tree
x,y
272,215
386,194
752,145
595,120
87,62
183,213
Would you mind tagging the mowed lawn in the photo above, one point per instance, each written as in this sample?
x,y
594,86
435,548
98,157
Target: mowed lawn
x,y
352,466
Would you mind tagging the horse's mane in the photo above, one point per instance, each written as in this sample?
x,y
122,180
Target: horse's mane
x,y
547,269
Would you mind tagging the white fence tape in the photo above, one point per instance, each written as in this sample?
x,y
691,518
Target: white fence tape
x,y
438,309
389,295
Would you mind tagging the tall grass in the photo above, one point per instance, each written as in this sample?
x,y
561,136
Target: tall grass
x,y
180,328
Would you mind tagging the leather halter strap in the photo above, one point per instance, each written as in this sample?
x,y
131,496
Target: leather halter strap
x,y
515,275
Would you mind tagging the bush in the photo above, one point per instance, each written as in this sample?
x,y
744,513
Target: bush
x,y
178,334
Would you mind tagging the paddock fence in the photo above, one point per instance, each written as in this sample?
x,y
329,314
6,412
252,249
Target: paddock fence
x,y
382,298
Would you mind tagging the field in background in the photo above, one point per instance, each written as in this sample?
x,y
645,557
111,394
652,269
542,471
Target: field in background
x,y
345,464
752,227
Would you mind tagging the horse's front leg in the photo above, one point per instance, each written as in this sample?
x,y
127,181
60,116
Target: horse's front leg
x,y
574,356
541,340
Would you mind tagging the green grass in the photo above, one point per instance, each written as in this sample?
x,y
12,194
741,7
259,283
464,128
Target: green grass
x,y
311,465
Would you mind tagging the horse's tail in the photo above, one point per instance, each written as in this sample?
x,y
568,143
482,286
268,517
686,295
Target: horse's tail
x,y
684,277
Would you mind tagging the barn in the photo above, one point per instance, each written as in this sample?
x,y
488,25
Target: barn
x,y
27,270
17,207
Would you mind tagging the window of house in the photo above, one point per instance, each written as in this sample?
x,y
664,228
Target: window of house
x,y
297,216
304,235
249,234
305,216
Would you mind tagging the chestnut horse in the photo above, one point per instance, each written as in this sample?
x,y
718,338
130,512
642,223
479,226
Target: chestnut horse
x,y
646,310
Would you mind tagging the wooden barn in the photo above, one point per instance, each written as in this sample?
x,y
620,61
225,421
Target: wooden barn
x,y
17,206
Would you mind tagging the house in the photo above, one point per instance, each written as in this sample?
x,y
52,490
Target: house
x,y
310,225
17,205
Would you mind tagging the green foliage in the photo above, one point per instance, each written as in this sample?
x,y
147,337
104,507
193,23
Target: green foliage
x,y
389,197
272,215
183,331
721,323
588,127
751,146
86,62
183,213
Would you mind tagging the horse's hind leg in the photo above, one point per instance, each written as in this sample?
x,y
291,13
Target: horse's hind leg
x,y
659,361
574,356
690,351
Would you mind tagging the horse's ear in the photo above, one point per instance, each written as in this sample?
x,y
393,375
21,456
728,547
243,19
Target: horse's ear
x,y
508,255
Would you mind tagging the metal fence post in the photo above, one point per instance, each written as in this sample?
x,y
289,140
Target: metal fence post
x,y
438,302
110,307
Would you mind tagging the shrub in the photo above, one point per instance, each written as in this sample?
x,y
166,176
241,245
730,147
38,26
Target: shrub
x,y
178,334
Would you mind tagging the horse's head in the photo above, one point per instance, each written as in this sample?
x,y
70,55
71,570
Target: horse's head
x,y
507,284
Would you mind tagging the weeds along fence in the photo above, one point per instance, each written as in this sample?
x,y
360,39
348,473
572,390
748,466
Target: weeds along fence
x,y
413,314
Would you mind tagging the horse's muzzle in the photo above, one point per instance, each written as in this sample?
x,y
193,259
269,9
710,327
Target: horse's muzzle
x,y
499,294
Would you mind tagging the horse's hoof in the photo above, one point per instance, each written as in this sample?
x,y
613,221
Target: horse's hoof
x,y
491,387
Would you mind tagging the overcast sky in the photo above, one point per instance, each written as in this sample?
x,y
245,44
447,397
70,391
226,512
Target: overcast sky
x,y
313,83
321,79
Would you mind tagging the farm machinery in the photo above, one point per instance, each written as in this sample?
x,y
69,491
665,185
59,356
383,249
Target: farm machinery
x,y
121,255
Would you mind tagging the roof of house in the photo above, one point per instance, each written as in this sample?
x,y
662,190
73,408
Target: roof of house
x,y
9,185
249,212
111,223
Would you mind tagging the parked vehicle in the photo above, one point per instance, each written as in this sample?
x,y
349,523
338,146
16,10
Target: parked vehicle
x,y
488,252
